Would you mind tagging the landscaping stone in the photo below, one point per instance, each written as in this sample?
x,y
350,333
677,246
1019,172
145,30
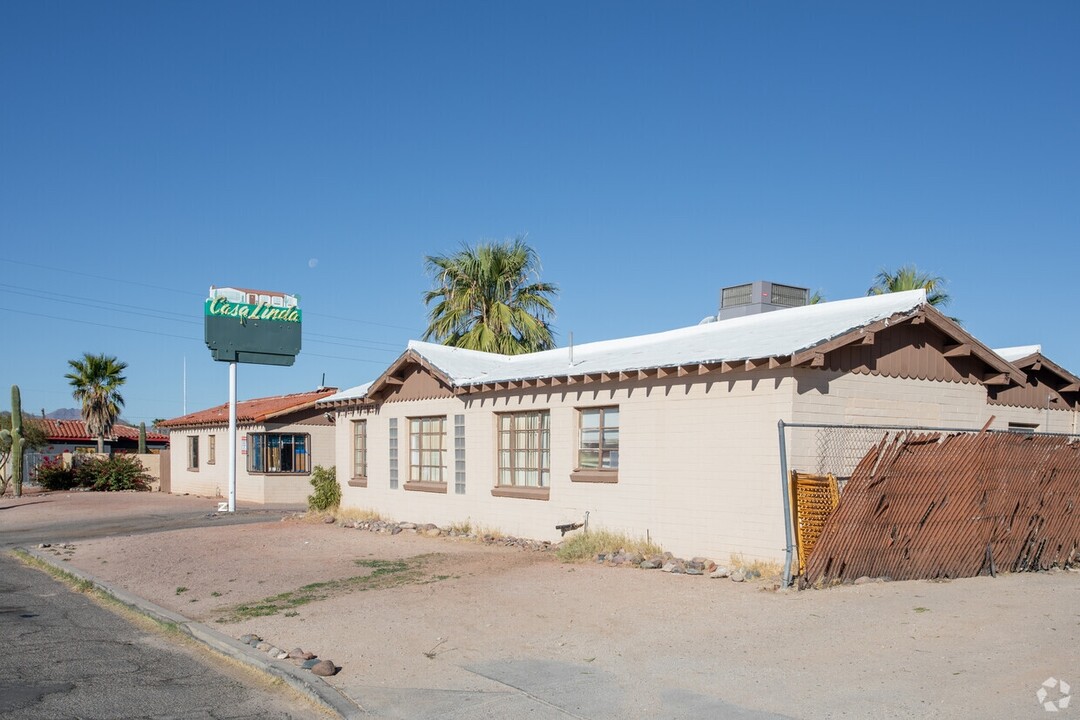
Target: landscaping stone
x,y
329,519
407,526
650,564
281,656
433,532
395,531
668,567
864,580
247,639
310,663
324,668
738,576
720,572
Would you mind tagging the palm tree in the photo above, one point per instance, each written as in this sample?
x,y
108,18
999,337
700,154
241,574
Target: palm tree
x,y
908,277
96,380
485,298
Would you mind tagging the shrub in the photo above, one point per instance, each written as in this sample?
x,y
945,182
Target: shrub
x,y
52,475
585,546
327,493
119,472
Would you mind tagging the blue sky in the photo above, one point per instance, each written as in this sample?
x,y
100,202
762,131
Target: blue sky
x,y
652,152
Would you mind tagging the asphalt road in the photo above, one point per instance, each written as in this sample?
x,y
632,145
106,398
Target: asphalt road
x,y
64,656
22,525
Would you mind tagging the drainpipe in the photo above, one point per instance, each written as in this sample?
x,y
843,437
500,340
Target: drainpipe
x,y
790,548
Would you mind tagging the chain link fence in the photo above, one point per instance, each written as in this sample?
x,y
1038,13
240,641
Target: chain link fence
x,y
837,449
834,449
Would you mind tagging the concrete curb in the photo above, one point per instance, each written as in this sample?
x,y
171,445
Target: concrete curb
x,y
311,686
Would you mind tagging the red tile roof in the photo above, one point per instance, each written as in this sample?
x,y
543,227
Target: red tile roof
x,y
251,411
75,430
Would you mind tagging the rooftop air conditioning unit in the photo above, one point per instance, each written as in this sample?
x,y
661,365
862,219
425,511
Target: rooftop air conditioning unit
x,y
758,297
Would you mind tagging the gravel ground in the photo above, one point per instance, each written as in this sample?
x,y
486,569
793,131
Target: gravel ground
x,y
448,614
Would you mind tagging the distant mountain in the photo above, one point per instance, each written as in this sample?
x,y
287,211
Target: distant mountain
x,y
65,414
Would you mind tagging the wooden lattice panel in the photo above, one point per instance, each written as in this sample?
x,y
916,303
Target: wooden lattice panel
x,y
814,497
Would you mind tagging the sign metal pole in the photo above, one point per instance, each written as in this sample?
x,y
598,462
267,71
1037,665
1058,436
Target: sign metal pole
x,y
232,437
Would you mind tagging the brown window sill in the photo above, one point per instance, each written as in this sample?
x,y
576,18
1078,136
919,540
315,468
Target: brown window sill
x,y
526,493
595,476
358,482
193,469
434,487
278,474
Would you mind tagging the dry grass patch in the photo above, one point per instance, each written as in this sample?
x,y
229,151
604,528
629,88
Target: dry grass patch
x,y
762,568
586,546
343,515
383,574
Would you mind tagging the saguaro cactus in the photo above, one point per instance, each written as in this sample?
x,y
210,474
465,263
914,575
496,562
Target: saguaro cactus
x,y
17,443
142,438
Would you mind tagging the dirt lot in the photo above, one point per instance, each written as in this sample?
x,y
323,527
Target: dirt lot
x,y
451,614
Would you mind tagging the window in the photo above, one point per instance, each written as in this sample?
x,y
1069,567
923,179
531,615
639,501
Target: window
x,y
211,450
1028,428
278,453
359,457
525,449
598,445
427,450
193,453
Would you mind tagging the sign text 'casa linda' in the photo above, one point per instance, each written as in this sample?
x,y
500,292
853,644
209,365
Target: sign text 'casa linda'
x,y
252,326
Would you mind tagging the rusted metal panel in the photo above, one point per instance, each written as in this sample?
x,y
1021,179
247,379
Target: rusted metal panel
x,y
954,505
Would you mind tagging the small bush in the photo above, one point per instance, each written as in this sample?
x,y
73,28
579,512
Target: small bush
x,y
119,472
327,493
52,475
585,546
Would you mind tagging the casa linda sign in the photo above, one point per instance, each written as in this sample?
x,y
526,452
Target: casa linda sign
x,y
220,307
252,326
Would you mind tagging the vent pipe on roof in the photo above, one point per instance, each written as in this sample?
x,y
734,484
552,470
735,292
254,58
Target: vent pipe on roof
x,y
571,349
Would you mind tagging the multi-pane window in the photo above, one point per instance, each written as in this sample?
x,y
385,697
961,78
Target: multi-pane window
x,y
278,453
525,449
359,445
211,450
427,449
598,444
193,452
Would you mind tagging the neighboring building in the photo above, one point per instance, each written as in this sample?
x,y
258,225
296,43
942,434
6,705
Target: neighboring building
x,y
72,436
1049,388
671,436
280,440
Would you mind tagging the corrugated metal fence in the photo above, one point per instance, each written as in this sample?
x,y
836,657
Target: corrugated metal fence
x,y
929,505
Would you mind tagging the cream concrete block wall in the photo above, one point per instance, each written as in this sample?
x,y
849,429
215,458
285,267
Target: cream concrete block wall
x,y
699,469
212,479
1055,421
828,397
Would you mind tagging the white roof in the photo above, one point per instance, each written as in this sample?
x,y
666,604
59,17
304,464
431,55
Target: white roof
x,y
351,394
1012,354
777,333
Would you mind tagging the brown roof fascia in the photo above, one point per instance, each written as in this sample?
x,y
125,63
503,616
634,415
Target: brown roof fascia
x,y
409,357
923,314
960,336
858,335
1037,361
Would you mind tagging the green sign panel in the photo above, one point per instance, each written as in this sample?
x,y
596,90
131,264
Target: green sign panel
x,y
266,332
